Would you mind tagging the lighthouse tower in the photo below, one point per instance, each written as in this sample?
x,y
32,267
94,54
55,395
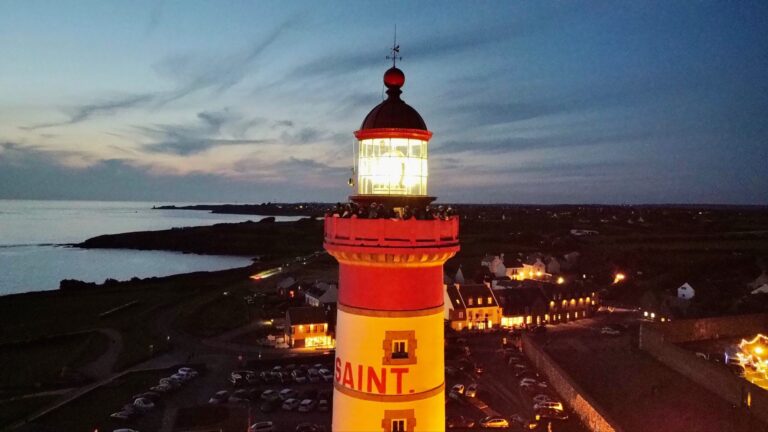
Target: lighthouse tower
x,y
389,366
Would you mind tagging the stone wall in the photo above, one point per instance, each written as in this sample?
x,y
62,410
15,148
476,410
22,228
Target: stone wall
x,y
594,417
711,328
659,340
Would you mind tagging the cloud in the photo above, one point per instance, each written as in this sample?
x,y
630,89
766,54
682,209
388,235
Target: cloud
x,y
109,106
193,75
210,129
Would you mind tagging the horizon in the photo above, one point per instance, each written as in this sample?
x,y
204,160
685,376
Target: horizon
x,y
550,104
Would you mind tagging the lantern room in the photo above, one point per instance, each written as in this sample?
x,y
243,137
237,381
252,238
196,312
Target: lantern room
x,y
392,147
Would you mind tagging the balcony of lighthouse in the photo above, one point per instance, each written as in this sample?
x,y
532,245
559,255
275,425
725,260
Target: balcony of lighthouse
x,y
401,242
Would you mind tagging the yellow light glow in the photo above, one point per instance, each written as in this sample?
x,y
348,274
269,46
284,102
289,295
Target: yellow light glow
x,y
538,273
392,166
618,278
560,280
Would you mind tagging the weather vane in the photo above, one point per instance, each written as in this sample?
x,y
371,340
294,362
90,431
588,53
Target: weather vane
x,y
395,51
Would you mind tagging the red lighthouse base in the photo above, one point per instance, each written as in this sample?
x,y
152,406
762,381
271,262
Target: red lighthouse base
x,y
389,372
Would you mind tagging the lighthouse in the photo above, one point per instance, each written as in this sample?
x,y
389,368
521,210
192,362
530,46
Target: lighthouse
x,y
389,365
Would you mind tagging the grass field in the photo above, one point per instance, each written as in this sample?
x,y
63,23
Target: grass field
x,y
48,362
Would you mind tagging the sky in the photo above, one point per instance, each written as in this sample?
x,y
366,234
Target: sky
x,y
542,102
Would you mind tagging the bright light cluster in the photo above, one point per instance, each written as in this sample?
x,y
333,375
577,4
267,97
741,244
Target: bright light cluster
x,y
753,355
392,166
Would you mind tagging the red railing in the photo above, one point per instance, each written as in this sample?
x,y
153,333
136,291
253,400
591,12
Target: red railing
x,y
391,232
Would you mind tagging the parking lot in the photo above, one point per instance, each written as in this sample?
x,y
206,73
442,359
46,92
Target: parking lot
x,y
499,373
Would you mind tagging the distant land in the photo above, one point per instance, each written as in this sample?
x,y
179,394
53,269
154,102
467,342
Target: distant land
x,y
265,239
317,209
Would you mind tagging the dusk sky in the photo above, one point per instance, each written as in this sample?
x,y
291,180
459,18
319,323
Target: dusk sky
x,y
529,102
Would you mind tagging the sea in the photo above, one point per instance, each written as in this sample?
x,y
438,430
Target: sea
x,y
34,239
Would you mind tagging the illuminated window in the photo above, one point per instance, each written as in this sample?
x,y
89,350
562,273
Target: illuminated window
x,y
469,301
489,300
392,166
461,315
399,347
479,301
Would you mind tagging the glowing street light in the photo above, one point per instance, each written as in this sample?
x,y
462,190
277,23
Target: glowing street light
x,y
560,280
618,278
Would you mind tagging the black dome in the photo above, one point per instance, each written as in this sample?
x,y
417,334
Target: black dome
x,y
393,112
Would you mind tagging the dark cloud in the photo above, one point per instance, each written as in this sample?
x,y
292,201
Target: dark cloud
x,y
206,132
31,173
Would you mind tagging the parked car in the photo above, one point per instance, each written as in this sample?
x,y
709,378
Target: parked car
x,y
527,381
287,393
239,377
309,427
558,406
539,398
188,371
173,384
609,331
313,375
325,374
307,405
263,426
270,395
323,405
299,376
549,413
154,397
458,389
471,390
290,404
144,404
123,415
219,397
125,430
493,422
239,396
161,388
459,422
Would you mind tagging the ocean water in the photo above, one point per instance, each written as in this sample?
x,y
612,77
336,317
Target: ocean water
x,y
32,235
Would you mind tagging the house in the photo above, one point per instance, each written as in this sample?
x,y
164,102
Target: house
x,y
532,268
685,291
533,302
472,306
307,327
321,294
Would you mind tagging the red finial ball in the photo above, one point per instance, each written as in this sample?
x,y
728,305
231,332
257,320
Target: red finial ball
x,y
394,78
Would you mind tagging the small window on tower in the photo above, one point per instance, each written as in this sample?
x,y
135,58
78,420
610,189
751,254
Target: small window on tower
x,y
489,300
398,425
479,301
399,349
469,301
